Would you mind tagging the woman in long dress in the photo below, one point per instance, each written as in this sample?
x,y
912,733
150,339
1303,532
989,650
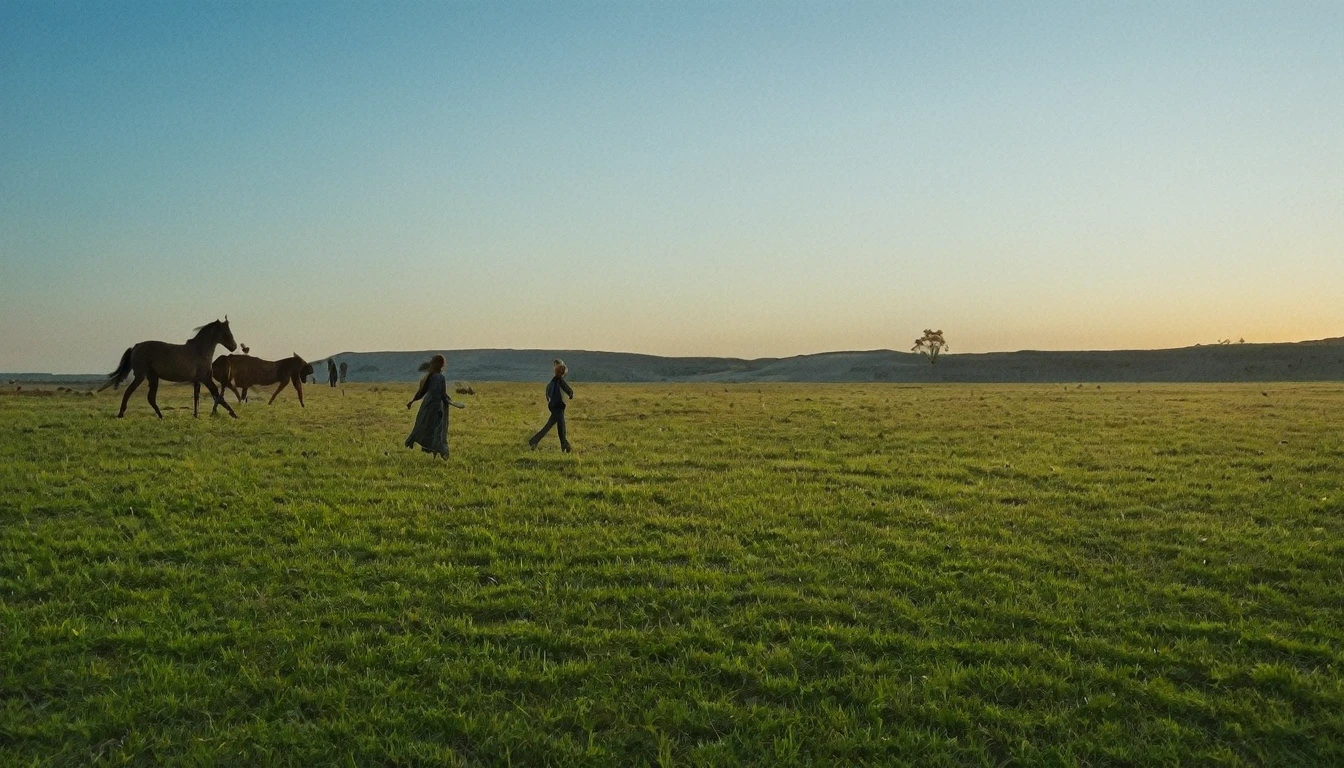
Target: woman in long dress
x,y
431,422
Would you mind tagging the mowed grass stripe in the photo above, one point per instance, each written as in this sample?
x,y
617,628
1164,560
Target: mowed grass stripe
x,y
777,574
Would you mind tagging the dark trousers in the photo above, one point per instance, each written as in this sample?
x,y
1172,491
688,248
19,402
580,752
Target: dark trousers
x,y
557,420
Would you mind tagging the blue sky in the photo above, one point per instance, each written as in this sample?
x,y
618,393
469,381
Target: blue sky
x,y
748,179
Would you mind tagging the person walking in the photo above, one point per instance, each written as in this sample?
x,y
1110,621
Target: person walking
x,y
431,422
555,401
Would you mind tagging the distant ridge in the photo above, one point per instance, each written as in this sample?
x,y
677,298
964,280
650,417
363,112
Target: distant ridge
x,y
1321,360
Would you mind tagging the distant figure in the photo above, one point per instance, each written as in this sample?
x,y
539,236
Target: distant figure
x,y
344,368
431,422
556,403
331,371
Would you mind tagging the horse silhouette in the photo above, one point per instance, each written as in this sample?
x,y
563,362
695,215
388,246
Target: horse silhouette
x,y
241,372
156,360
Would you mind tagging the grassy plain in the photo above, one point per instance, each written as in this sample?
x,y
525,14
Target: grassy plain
x,y
774,575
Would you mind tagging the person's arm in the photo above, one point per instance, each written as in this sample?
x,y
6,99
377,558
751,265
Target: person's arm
x,y
424,387
568,391
440,387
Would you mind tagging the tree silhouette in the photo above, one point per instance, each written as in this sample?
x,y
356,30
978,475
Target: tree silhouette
x,y
931,344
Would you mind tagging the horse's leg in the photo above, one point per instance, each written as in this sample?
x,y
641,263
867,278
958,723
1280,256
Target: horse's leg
x,y
214,409
223,386
243,397
154,393
298,387
135,382
220,398
195,399
276,394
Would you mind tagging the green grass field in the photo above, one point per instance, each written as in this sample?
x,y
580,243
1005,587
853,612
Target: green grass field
x,y
770,575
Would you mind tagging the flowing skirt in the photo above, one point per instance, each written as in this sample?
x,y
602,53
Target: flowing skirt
x,y
431,427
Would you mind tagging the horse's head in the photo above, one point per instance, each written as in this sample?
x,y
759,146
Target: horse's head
x,y
225,336
216,333
306,368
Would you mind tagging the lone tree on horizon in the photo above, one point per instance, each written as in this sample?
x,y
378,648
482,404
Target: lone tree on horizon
x,y
931,344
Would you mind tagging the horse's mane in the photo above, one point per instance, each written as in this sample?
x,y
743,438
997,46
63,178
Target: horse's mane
x,y
196,332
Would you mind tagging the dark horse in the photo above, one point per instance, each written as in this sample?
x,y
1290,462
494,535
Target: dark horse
x,y
156,360
241,372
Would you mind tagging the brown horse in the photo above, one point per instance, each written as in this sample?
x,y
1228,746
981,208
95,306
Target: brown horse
x,y
241,372
156,360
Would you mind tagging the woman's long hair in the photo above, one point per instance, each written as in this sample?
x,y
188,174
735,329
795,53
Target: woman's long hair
x,y
435,364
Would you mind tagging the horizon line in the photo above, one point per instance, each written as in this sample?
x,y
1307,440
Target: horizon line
x,y
1328,339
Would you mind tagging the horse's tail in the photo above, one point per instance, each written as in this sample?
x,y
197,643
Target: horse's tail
x,y
115,378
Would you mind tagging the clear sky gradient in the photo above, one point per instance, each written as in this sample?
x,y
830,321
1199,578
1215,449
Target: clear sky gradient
x,y
680,178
